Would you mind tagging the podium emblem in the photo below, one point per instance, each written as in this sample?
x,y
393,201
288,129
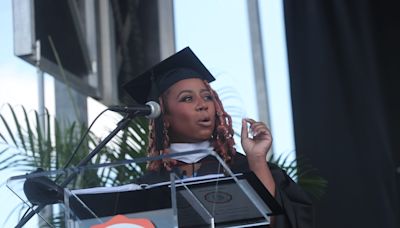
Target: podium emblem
x,y
218,197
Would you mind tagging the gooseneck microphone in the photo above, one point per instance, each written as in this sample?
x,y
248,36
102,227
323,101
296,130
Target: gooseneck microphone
x,y
150,110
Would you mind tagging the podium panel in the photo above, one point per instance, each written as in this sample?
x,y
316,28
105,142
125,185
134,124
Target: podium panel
x,y
218,199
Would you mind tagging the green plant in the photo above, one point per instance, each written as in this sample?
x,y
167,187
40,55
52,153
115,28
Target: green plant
x,y
26,144
300,170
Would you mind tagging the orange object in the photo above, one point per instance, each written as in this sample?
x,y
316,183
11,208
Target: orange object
x,y
126,222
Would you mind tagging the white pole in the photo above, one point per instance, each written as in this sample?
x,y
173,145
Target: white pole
x,y
40,81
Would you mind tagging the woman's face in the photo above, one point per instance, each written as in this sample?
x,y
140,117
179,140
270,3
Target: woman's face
x,y
190,112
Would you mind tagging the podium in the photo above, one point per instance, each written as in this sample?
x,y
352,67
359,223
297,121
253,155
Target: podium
x,y
219,198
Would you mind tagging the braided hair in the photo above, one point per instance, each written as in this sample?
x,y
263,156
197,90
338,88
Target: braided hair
x,y
221,138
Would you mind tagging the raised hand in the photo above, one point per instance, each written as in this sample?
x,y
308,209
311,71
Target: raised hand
x,y
257,145
256,149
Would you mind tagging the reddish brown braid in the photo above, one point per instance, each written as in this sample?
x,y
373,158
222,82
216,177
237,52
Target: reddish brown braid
x,y
152,149
222,137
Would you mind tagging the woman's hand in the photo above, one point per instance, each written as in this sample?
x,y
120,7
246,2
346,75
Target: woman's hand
x,y
256,147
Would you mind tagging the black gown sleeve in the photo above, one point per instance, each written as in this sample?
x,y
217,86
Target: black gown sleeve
x,y
296,204
294,201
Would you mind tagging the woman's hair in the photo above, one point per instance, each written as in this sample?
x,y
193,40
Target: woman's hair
x,y
221,139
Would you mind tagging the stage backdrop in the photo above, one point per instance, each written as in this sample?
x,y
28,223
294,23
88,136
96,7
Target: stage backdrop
x,y
344,60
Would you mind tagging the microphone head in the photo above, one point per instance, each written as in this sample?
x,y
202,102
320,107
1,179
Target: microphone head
x,y
155,110
42,190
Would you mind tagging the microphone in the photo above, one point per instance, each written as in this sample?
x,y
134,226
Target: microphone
x,y
151,109
42,190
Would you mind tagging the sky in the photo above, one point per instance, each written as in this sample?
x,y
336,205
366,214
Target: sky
x,y
18,87
216,30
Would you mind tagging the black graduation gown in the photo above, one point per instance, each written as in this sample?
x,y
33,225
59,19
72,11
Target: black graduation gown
x,y
297,206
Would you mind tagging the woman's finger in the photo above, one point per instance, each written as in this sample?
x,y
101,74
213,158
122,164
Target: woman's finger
x,y
245,132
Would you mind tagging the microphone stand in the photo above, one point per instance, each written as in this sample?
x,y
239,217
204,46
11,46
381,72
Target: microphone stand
x,y
120,125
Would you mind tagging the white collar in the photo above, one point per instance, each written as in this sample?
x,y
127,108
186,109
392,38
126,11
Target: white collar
x,y
184,147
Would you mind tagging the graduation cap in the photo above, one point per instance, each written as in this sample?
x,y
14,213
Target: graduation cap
x,y
155,81
149,85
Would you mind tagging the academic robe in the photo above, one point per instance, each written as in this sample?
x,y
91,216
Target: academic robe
x,y
297,206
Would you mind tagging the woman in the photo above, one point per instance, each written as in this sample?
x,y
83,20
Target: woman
x,y
193,118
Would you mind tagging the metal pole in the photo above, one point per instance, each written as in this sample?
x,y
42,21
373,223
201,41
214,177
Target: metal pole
x,y
166,28
258,61
47,212
40,81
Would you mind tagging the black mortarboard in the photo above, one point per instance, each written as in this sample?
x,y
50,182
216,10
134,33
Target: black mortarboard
x,y
155,81
152,83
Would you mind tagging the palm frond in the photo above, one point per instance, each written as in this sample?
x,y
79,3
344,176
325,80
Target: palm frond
x,y
18,128
3,138
31,136
299,169
8,131
20,207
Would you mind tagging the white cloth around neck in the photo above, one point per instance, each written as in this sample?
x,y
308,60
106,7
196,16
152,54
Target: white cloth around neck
x,y
185,147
